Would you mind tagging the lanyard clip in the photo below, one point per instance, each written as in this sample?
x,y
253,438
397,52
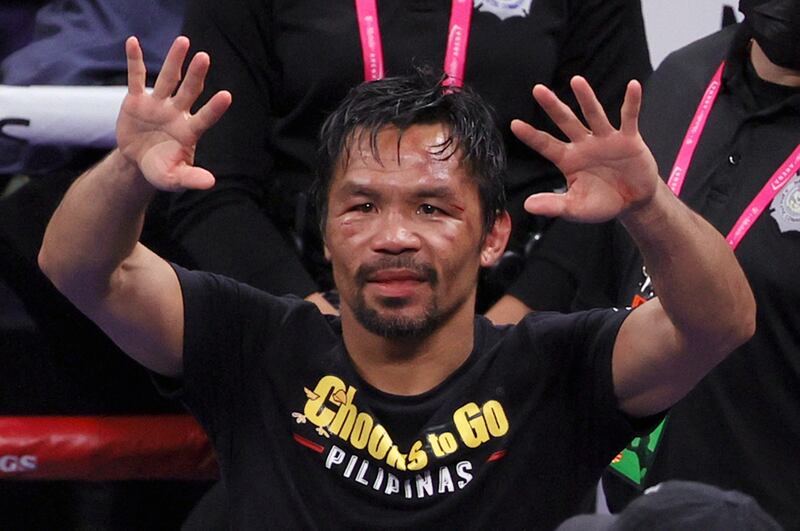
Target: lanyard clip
x,y
646,288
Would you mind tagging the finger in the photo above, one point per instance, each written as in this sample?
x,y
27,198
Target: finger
x,y
192,85
591,108
170,74
209,113
543,143
194,178
546,204
560,113
629,115
137,73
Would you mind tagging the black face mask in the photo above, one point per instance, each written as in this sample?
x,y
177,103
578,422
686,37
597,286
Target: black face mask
x,y
775,24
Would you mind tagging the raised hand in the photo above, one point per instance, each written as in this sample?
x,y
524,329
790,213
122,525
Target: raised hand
x,y
156,131
608,171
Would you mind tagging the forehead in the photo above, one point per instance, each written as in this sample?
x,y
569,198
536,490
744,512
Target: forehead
x,y
414,157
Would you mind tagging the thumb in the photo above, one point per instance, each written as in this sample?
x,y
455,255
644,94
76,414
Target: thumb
x,y
546,204
194,178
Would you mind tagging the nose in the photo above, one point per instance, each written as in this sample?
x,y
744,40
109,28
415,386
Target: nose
x,y
395,234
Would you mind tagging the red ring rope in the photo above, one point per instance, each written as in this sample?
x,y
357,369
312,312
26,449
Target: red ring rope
x,y
105,448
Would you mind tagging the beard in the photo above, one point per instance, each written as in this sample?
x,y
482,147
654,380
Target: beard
x,y
398,326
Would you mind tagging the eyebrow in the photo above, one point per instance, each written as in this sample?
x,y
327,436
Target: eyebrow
x,y
351,188
421,192
437,192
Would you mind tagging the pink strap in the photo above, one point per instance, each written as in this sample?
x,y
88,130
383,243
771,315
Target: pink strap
x,y
779,179
457,39
678,174
371,47
684,159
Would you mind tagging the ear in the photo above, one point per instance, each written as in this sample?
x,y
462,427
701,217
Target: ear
x,y
327,252
495,241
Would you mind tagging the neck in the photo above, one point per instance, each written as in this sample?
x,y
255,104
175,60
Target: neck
x,y
769,71
410,366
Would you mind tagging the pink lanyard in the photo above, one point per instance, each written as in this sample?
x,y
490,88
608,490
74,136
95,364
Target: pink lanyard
x,y
457,37
677,176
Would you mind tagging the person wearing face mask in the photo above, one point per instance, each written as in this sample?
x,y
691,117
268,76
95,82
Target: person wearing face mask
x,y
722,117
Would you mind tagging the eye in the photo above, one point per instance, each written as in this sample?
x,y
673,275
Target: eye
x,y
428,209
364,207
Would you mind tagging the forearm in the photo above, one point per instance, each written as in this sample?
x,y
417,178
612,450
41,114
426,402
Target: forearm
x,y
95,228
694,273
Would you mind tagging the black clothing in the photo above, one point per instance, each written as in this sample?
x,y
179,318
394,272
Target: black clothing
x,y
513,438
740,427
289,63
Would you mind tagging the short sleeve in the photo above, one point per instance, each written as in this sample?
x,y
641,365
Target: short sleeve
x,y
228,327
574,359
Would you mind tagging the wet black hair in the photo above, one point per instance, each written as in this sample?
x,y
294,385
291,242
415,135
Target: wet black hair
x,y
401,102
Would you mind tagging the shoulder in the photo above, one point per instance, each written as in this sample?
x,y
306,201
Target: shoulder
x,y
677,86
699,59
547,330
230,299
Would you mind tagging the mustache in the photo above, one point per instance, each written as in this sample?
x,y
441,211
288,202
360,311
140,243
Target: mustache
x,y
425,271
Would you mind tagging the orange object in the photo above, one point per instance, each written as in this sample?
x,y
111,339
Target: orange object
x,y
638,300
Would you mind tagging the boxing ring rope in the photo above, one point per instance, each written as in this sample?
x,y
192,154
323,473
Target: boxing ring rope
x,y
105,448
61,115
88,448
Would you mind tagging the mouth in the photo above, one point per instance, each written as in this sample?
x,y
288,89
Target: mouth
x,y
396,275
396,283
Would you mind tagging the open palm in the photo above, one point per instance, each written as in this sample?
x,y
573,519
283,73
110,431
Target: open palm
x,y
608,170
156,130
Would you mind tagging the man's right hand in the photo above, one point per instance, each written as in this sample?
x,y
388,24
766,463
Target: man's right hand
x,y
156,131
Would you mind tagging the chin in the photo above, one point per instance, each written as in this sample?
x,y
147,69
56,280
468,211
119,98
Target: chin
x,y
398,324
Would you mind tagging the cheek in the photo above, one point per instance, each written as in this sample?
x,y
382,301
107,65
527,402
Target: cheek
x,y
343,237
455,246
443,232
351,231
458,237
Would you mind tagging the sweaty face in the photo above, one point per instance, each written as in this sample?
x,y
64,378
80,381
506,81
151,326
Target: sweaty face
x,y
404,234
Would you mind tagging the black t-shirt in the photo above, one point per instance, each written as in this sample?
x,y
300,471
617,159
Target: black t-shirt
x,y
513,438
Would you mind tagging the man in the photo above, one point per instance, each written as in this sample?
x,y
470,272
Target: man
x,y
740,428
408,411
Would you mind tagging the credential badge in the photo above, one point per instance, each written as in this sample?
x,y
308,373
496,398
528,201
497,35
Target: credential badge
x,y
505,8
785,207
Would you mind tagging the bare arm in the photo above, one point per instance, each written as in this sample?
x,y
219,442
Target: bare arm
x,y
507,310
705,308
91,251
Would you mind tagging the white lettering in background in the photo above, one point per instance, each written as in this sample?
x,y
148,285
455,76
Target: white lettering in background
x,y
10,464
